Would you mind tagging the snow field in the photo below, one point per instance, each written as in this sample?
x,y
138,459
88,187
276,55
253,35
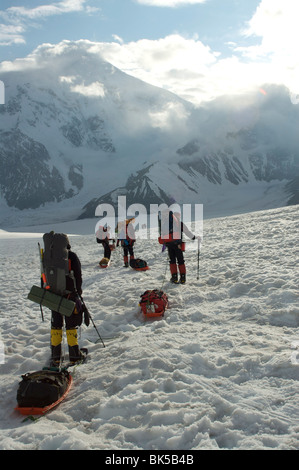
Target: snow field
x,y
219,371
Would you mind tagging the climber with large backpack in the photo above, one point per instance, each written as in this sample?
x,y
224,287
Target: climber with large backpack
x,y
171,230
63,276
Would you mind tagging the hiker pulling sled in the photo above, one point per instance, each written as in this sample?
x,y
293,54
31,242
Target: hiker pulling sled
x,y
126,237
108,243
171,235
61,291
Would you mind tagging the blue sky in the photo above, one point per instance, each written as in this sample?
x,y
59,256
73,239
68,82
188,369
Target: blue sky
x,y
214,22
195,48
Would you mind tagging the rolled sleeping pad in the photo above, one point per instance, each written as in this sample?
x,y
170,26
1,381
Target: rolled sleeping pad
x,y
52,301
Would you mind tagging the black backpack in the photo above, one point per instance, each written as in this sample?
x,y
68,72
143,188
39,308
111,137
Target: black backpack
x,y
169,228
59,278
42,388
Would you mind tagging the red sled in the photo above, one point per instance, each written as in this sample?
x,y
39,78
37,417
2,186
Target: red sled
x,y
41,410
153,303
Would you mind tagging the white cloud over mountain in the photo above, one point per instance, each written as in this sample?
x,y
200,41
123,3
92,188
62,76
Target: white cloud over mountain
x,y
187,66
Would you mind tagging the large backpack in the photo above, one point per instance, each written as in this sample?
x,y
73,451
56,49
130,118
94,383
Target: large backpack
x,y
56,263
125,230
169,228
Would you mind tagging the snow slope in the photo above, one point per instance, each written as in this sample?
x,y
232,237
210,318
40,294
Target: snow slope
x,y
219,371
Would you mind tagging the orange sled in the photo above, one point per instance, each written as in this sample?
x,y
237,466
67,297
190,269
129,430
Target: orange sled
x,y
104,263
34,410
139,264
141,269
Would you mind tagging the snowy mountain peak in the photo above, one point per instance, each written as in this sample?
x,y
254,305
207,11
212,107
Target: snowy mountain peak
x,y
75,130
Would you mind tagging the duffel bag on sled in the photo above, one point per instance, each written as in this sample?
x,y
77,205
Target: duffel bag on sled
x,y
104,263
40,391
139,264
153,303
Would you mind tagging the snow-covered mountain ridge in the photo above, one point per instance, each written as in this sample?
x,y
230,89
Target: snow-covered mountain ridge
x,y
76,131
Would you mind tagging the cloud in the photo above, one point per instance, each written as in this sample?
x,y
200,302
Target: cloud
x,y
117,38
191,69
168,116
65,6
169,3
11,34
173,62
184,66
275,25
94,89
19,19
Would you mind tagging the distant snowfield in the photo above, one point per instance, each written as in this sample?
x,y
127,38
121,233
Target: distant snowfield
x,y
219,371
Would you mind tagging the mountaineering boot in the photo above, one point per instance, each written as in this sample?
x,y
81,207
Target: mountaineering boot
x,y
56,340
126,262
182,269
174,273
75,353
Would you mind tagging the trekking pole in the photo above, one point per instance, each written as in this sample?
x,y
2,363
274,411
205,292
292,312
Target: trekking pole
x,y
167,264
42,312
41,277
85,309
198,252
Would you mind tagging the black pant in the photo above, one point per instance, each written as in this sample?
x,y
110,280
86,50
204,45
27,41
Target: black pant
x,y
107,249
70,322
128,249
175,253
